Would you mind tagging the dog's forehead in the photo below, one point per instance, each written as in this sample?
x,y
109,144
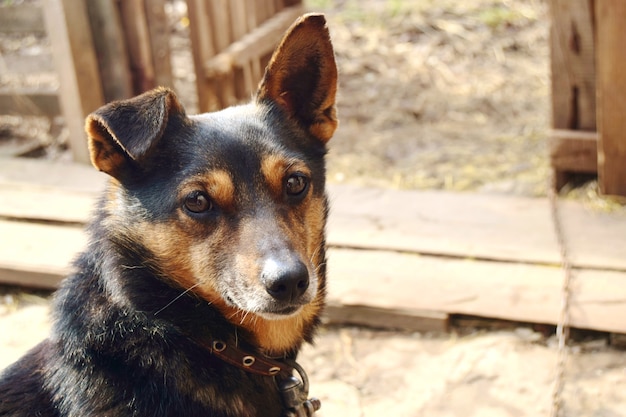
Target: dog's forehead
x,y
237,132
241,138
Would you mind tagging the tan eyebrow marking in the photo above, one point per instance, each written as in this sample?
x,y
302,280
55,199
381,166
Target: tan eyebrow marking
x,y
275,167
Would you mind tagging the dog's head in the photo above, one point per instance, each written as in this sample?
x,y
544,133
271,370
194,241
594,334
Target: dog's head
x,y
231,204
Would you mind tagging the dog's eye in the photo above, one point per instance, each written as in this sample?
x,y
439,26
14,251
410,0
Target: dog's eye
x,y
198,202
296,184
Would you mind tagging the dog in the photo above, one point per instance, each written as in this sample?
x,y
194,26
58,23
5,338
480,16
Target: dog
x,y
205,268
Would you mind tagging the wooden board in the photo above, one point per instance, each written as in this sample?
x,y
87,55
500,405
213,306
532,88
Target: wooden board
x,y
518,292
401,285
159,36
413,320
76,63
481,226
611,78
63,176
503,228
572,151
137,39
20,202
572,65
108,42
37,255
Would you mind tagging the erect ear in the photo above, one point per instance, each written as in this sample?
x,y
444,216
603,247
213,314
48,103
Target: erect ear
x,y
123,132
301,77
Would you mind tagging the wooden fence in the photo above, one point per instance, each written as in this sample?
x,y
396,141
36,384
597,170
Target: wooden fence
x,y
106,50
589,91
232,42
20,20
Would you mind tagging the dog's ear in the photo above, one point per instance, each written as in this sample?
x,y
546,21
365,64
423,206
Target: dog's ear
x,y
123,132
301,77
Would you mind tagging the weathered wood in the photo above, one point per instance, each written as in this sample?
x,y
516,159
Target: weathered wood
x,y
159,35
23,18
517,292
611,79
29,102
500,228
16,202
389,318
572,151
374,284
254,44
76,63
386,281
62,176
244,83
504,228
230,45
36,254
110,47
137,38
202,47
573,87
572,65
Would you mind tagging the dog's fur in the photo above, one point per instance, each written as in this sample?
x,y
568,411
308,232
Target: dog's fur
x,y
211,227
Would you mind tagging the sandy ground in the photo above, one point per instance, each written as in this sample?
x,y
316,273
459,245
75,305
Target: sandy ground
x,y
362,372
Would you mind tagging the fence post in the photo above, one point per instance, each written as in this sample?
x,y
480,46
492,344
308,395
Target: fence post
x,y
80,89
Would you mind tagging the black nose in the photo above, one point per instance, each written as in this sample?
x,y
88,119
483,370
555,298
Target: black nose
x,y
285,282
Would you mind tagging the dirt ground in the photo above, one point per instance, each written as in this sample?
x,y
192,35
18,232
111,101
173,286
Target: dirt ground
x,y
359,372
434,94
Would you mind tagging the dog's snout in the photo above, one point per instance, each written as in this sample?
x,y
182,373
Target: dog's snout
x,y
285,281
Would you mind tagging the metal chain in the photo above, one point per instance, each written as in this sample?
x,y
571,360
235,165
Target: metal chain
x,y
562,328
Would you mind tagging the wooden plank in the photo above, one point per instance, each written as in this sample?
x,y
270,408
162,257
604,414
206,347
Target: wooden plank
x,y
76,63
16,202
159,35
23,18
595,239
137,38
244,83
574,151
29,102
222,84
110,47
62,176
30,254
383,281
504,228
254,44
437,222
572,65
611,38
202,48
517,292
391,318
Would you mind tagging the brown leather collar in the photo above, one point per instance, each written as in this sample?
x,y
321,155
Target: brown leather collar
x,y
255,364
293,391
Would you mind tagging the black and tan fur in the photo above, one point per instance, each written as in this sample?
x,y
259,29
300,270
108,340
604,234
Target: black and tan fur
x,y
211,227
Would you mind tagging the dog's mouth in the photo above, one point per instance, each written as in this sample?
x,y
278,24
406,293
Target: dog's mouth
x,y
270,311
281,313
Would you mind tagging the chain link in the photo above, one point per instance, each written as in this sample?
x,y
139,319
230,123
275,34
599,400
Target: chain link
x,y
562,328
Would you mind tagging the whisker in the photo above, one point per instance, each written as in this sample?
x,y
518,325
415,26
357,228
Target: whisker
x,y
177,297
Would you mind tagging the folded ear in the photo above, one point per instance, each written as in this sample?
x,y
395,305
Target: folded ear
x,y
301,77
123,132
